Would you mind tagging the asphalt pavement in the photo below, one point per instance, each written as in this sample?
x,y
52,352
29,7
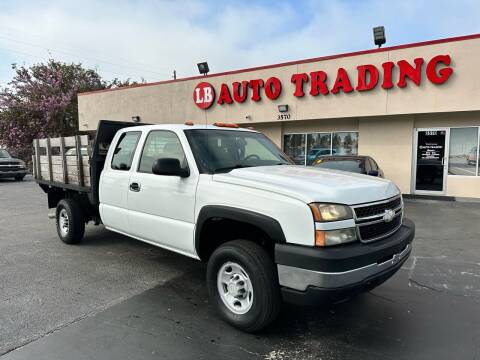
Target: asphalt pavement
x,y
112,297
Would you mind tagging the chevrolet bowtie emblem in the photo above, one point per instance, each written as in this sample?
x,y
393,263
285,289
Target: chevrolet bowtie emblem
x,y
389,215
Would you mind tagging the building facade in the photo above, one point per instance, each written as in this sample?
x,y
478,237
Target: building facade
x,y
414,108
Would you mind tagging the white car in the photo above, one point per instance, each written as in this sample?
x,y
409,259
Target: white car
x,y
269,230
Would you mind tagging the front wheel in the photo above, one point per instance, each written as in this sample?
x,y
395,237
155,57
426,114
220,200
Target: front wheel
x,y
243,285
70,221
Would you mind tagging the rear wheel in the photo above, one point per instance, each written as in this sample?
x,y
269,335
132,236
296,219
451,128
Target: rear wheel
x,y
243,284
70,221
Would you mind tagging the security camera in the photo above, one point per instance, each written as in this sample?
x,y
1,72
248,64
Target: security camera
x,y
247,116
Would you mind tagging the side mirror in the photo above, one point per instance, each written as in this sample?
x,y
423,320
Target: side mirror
x,y
373,173
169,167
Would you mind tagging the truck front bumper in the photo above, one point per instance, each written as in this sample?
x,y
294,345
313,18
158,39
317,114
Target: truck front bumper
x,y
312,275
12,173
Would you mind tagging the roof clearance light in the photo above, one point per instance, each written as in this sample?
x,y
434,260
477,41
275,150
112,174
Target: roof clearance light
x,y
189,123
235,126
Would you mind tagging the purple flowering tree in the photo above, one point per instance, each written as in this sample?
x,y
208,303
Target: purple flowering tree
x,y
41,101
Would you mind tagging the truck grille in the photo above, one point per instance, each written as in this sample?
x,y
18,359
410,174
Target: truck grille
x,y
377,209
9,166
380,229
378,220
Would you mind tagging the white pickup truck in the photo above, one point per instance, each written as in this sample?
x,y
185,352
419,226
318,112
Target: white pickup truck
x,y
269,230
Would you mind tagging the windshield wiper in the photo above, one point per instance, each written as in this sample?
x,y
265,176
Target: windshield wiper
x,y
238,166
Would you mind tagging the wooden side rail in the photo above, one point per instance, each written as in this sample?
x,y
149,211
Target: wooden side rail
x,y
63,160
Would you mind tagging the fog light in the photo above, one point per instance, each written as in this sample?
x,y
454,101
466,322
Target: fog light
x,y
334,237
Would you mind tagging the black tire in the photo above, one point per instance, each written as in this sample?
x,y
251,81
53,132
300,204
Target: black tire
x,y
261,271
76,221
19,177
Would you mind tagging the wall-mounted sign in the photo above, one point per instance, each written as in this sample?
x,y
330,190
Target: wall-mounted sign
x,y
317,83
204,95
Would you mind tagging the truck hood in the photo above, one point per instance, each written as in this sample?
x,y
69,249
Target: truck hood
x,y
8,160
310,184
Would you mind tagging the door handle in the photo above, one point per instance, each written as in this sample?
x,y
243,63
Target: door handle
x,y
135,187
443,161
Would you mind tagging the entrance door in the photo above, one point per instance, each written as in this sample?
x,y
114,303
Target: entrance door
x,y
431,164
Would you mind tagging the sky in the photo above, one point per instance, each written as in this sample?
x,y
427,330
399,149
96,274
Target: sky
x,y
149,39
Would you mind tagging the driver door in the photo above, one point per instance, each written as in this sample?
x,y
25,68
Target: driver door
x,y
161,207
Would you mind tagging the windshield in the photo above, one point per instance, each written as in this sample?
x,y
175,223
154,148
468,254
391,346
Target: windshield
x,y
352,165
4,154
223,150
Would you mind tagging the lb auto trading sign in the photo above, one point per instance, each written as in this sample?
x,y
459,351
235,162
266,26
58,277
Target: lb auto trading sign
x,y
367,77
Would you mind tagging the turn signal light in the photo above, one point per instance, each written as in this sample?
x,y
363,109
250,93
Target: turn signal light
x,y
319,238
227,125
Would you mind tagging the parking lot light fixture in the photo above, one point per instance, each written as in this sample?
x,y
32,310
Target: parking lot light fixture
x,y
379,36
203,68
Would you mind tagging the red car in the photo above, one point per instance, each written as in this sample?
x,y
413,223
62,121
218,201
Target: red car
x,y
472,156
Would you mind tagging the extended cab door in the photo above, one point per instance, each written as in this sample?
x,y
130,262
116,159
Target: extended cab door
x,y
114,181
161,207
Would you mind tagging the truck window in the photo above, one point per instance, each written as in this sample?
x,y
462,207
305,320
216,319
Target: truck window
x,y
161,144
124,151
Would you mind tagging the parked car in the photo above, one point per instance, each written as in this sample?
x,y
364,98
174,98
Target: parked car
x,y
269,231
352,163
11,167
313,154
472,156
73,151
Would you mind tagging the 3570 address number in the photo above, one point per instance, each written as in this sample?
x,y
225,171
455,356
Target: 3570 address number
x,y
283,117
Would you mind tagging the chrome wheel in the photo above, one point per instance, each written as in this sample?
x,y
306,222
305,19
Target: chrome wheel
x,y
63,222
235,288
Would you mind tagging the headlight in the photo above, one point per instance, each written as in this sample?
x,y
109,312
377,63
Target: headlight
x,y
334,237
330,212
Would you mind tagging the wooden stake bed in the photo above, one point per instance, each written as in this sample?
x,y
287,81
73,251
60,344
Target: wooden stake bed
x,y
63,162
71,166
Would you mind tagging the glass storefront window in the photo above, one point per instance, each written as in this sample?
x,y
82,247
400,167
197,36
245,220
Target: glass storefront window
x,y
294,147
318,144
345,143
303,149
463,151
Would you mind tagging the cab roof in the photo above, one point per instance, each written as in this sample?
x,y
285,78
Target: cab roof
x,y
193,127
